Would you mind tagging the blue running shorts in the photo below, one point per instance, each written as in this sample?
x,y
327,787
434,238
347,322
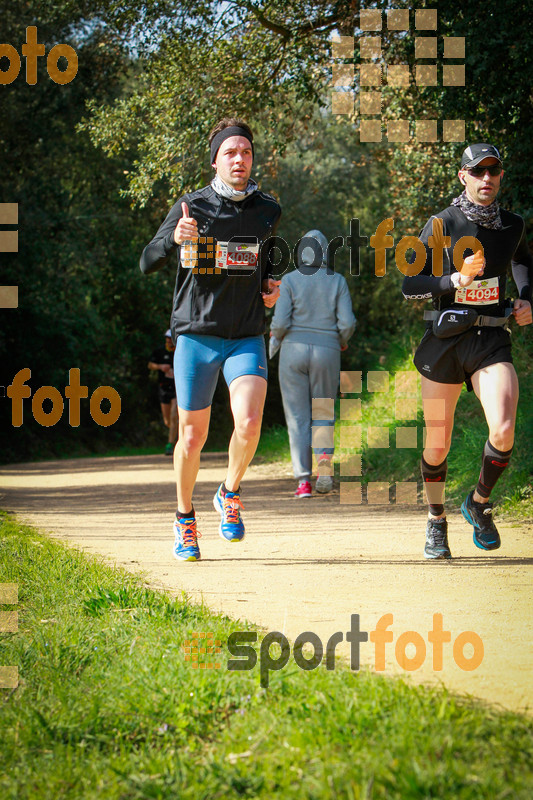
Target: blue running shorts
x,y
198,360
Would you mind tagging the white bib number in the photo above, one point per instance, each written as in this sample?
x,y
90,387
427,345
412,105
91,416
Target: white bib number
x,y
236,255
484,292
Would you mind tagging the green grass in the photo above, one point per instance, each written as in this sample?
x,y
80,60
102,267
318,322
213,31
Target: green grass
x,y
131,450
274,445
108,708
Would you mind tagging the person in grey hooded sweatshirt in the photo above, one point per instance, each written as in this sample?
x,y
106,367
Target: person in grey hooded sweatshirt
x,y
312,323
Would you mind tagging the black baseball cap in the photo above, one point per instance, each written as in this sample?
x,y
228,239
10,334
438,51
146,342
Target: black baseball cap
x,y
475,153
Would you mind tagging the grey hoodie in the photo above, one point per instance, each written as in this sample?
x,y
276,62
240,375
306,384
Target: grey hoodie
x,y
314,306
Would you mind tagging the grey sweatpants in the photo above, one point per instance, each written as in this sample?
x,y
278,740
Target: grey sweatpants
x,y
306,371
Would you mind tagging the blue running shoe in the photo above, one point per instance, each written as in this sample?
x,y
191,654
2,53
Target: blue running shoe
x,y
231,525
479,515
186,539
437,539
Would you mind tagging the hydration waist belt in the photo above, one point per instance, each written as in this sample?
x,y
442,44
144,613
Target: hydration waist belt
x,y
492,322
453,321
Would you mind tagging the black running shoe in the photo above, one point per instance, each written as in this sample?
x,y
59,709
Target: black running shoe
x,y
437,539
479,515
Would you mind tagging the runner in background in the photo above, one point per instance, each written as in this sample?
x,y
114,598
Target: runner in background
x,y
476,353
162,360
218,320
313,322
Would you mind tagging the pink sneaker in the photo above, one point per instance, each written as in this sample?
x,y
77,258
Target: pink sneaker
x,y
303,490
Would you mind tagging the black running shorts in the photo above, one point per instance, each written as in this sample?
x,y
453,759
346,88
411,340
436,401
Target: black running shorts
x,y
455,359
167,393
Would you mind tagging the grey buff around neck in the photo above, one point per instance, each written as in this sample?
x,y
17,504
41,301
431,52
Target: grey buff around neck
x,y
229,192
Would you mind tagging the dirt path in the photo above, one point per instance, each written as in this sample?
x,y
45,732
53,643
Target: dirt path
x,y
305,565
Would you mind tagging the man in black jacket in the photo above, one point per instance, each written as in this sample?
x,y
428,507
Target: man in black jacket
x,y
470,289
221,235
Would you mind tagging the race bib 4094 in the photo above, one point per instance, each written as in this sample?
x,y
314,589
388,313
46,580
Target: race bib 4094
x,y
480,293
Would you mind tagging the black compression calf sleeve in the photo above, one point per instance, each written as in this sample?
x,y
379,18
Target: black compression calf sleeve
x,y
434,478
493,464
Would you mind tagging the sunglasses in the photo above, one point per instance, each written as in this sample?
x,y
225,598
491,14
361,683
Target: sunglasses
x,y
478,172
